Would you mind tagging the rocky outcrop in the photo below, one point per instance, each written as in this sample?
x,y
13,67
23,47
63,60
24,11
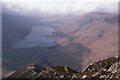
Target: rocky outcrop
x,y
56,72
106,69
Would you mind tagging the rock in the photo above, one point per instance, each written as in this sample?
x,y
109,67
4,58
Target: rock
x,y
106,69
29,71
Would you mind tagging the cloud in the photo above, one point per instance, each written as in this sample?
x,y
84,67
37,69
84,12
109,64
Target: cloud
x,y
60,0
77,7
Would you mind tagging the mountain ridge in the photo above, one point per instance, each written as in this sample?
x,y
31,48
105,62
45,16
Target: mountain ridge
x,y
105,69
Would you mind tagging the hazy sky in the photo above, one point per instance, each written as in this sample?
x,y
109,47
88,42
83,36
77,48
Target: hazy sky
x,y
62,7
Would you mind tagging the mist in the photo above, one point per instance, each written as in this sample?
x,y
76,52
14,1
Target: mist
x,y
60,8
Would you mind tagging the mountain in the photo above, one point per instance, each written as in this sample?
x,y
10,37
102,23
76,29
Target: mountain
x,y
15,27
81,40
105,69
97,31
54,55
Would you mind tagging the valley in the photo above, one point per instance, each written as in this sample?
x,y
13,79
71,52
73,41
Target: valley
x,y
75,41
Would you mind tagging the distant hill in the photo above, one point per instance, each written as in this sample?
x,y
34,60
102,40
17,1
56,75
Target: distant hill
x,y
97,31
15,27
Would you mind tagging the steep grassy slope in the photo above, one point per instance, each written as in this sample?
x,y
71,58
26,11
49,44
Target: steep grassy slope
x,y
67,55
15,28
96,31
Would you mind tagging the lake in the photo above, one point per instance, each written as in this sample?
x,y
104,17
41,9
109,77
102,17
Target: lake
x,y
37,37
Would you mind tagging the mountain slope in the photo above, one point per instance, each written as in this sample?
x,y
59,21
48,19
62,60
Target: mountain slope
x,y
96,31
15,27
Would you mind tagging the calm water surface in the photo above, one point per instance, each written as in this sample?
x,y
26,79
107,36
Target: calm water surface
x,y
37,37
